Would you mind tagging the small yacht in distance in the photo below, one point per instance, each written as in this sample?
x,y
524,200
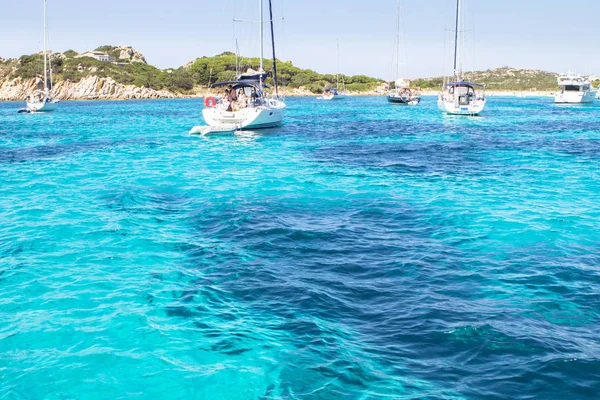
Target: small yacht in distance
x,y
459,97
402,93
332,94
40,100
335,93
574,89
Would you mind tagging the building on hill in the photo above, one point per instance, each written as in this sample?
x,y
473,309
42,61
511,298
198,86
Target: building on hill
x,y
98,55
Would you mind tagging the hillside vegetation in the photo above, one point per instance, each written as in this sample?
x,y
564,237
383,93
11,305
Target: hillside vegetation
x,y
502,79
202,72
207,70
131,69
67,66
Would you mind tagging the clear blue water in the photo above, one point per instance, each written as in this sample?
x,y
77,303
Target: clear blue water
x,y
363,251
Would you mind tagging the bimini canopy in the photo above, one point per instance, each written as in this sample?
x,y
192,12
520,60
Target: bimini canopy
x,y
237,84
463,84
253,76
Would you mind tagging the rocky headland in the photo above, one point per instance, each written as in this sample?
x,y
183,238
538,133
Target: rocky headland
x,y
89,88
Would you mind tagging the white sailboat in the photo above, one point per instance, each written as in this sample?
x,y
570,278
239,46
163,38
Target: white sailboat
x,y
336,93
245,105
402,93
40,100
574,89
459,97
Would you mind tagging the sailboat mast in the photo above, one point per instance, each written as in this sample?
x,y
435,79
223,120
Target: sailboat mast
x,y
45,51
273,46
237,58
337,70
262,34
398,41
456,44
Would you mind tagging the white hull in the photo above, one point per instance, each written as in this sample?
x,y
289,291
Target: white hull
x,y
329,98
412,100
575,97
42,106
247,118
473,108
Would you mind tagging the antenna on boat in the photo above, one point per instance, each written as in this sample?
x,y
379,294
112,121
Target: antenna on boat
x,y
262,34
337,70
45,52
456,45
237,58
273,45
398,27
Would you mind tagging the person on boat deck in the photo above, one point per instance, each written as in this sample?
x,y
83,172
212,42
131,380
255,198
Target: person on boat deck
x,y
224,102
231,95
242,99
231,98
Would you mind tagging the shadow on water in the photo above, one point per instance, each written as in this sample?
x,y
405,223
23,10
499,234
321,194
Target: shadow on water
x,y
46,152
300,277
375,282
416,148
359,281
337,284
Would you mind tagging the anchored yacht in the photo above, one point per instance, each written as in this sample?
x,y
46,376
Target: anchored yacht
x,y
402,93
459,97
462,98
405,96
332,94
574,89
40,100
336,93
244,105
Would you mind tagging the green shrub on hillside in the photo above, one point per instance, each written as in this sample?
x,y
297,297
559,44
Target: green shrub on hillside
x,y
110,50
208,70
138,74
71,53
30,66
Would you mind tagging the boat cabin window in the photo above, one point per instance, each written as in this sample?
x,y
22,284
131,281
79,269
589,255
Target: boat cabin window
x,y
462,90
572,88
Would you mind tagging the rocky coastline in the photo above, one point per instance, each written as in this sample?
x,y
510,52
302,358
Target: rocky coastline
x,y
89,88
96,88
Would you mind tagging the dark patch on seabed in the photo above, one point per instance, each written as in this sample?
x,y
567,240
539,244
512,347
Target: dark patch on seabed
x,y
418,306
471,156
409,158
40,153
146,201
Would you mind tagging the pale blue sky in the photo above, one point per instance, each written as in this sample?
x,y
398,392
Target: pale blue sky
x,y
553,35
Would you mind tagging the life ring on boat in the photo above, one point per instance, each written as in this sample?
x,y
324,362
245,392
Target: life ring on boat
x,y
210,102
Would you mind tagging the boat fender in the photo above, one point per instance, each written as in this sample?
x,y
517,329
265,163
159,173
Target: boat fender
x,y
210,102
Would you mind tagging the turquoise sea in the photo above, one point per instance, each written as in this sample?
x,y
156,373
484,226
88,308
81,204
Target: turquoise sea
x,y
362,251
